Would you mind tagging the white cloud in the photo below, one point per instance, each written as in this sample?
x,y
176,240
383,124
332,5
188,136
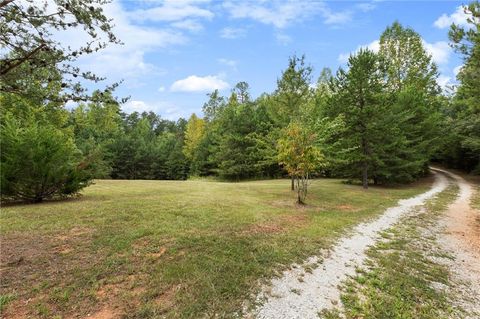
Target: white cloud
x,y
123,61
445,82
165,109
440,51
232,33
136,106
161,89
282,13
459,17
190,25
194,83
335,18
172,11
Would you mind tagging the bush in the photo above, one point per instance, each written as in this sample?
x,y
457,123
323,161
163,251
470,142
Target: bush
x,y
39,161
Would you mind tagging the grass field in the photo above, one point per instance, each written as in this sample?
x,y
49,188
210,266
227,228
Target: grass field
x,y
144,249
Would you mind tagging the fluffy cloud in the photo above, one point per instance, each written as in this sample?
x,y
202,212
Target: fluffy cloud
x,y
123,61
232,33
172,10
335,18
440,51
194,83
282,13
459,17
165,109
136,106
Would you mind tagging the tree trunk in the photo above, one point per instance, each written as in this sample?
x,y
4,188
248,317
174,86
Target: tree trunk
x,y
365,176
293,183
299,192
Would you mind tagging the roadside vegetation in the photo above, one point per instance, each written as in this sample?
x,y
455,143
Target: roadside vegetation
x,y
177,249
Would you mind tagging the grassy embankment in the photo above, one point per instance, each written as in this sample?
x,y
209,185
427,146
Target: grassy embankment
x,y
172,249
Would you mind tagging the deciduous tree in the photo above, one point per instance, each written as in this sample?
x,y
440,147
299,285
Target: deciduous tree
x,y
299,153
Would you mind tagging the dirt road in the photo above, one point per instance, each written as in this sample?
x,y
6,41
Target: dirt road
x,y
307,289
460,237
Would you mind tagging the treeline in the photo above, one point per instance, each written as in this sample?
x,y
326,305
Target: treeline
x,y
380,120
129,146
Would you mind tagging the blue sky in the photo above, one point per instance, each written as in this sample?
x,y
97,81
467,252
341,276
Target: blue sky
x,y
176,52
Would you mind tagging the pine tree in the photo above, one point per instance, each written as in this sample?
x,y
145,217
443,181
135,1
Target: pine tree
x,y
358,103
411,77
464,113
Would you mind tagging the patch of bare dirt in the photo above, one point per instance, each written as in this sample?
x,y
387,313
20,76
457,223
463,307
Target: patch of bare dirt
x,y
463,219
105,313
29,261
157,254
347,208
281,224
17,309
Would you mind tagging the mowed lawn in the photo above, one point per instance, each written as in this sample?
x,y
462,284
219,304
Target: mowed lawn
x,y
174,249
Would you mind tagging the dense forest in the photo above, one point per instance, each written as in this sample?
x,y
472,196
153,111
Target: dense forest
x,y
382,119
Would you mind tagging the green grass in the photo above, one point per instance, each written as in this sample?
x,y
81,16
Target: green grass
x,y
400,277
172,249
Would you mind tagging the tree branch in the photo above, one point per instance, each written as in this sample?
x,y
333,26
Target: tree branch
x,y
4,3
21,60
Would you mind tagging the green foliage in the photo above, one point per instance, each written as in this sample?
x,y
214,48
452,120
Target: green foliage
x,y
293,91
96,126
148,147
194,133
408,63
383,113
463,110
243,138
40,161
34,61
414,93
359,103
300,155
239,138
